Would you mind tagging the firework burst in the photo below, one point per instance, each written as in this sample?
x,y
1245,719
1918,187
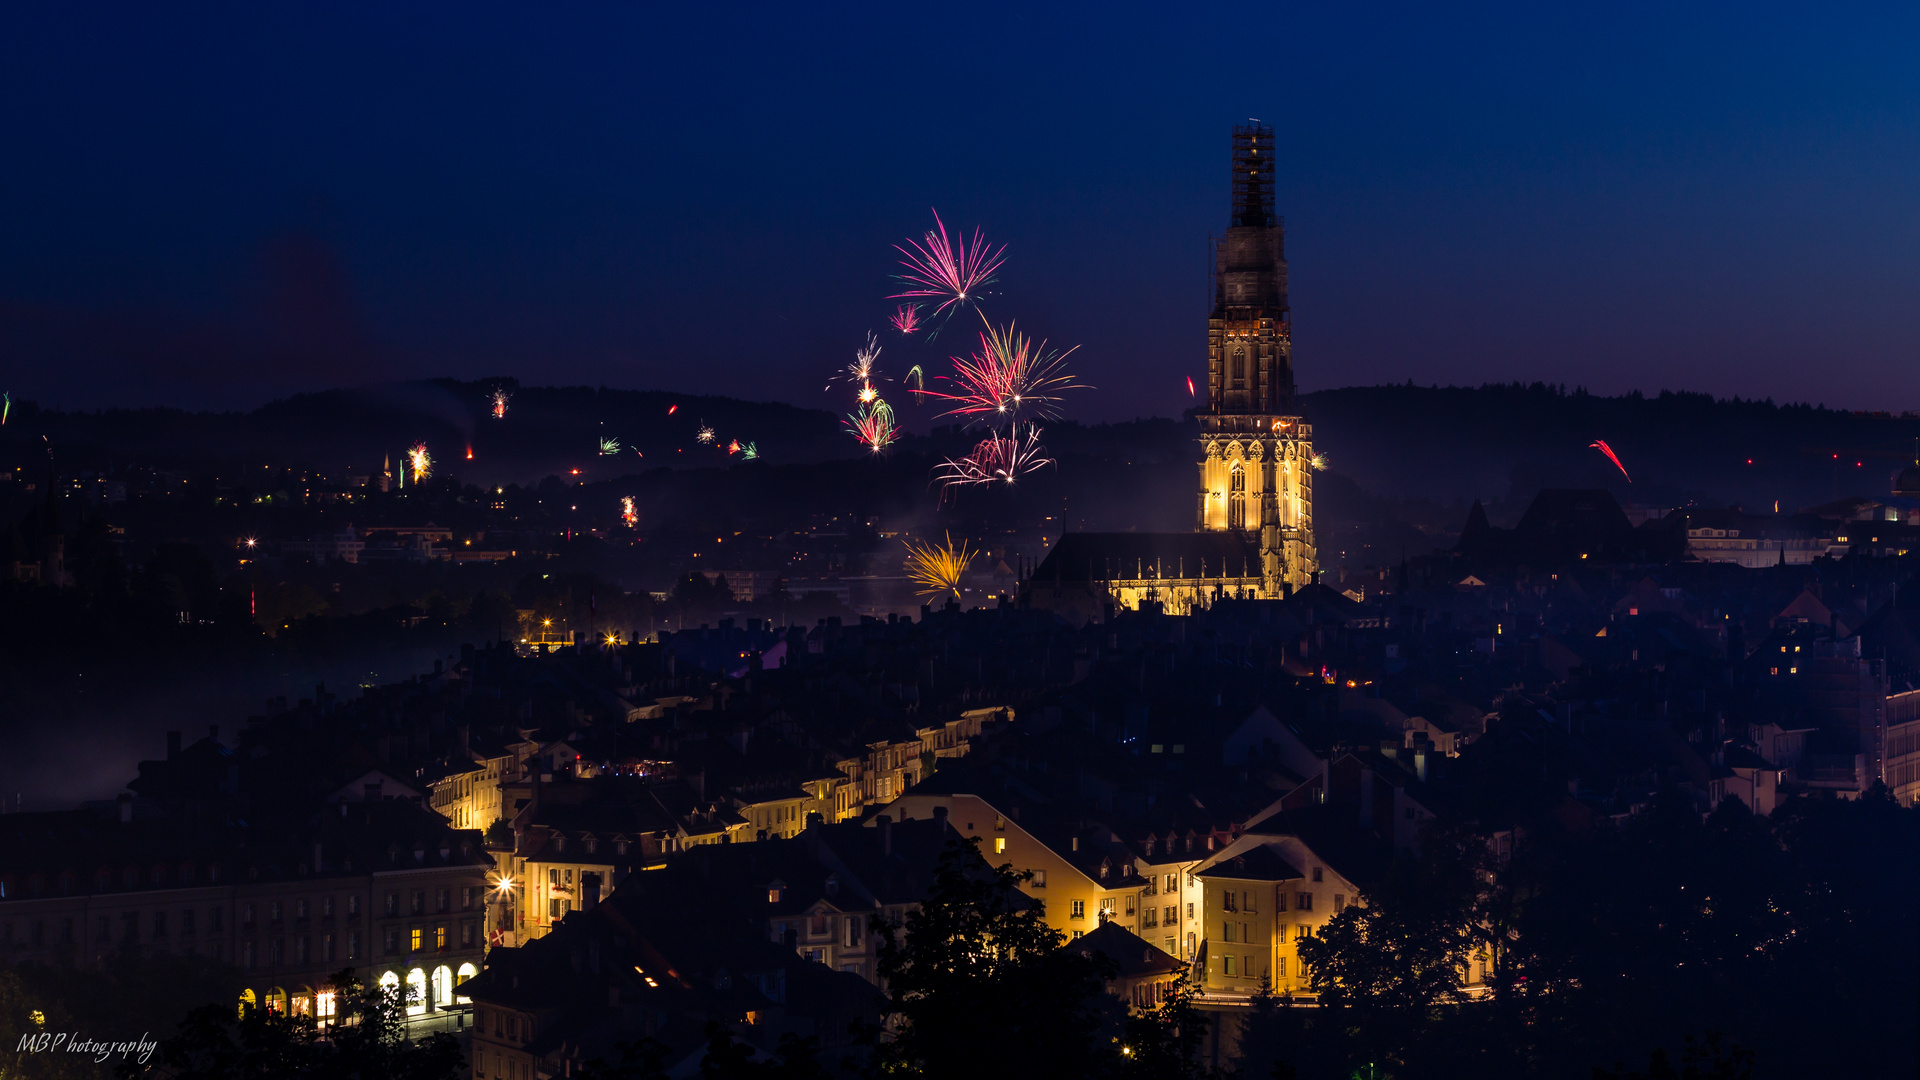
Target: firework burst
x,y
750,452
609,446
733,447
704,435
629,514
937,570
998,459
1008,373
1602,446
419,462
873,425
916,378
500,398
939,269
906,319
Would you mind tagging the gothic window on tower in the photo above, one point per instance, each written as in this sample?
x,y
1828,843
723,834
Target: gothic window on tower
x,y
1239,368
1237,502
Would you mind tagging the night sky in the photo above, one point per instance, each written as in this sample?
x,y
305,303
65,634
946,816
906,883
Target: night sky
x,y
214,209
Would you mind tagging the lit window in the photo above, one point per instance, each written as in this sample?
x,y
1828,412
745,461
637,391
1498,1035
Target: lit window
x,y
414,938
999,845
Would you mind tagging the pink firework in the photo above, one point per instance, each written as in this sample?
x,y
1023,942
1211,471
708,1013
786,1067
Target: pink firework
x,y
998,459
907,319
952,273
1009,373
1602,446
873,425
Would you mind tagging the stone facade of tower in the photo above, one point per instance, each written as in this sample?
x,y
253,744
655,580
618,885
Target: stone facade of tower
x,y
1256,469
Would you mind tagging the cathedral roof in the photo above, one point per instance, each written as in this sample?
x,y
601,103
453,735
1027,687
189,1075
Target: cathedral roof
x,y
1109,556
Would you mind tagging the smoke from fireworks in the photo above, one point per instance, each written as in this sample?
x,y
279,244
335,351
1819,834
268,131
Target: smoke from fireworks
x,y
704,435
628,514
997,459
1601,445
873,425
1007,374
500,398
951,273
420,462
937,570
907,319
609,446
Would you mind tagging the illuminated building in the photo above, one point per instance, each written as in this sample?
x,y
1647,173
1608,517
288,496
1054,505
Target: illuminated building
x,y
1256,472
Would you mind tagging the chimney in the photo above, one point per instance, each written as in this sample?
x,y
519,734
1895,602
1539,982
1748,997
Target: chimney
x,y
173,745
1420,763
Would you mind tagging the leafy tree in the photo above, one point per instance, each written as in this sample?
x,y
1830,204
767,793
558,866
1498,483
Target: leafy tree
x,y
367,1040
978,985
1163,1043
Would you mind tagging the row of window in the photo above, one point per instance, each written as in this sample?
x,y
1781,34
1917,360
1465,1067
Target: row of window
x,y
470,897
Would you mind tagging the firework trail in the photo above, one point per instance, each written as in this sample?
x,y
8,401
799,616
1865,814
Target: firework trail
x,y
704,435
873,425
918,378
750,452
997,459
907,319
671,409
609,446
1007,374
952,273
419,462
1190,390
6,407
500,398
1601,445
937,570
628,514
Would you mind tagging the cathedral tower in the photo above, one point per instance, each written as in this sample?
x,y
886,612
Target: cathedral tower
x,y
1256,475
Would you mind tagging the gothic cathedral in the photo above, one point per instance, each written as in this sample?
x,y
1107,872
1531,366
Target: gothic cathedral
x,y
1256,475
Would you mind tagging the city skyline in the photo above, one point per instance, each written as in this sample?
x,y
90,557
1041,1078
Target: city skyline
x,y
1716,207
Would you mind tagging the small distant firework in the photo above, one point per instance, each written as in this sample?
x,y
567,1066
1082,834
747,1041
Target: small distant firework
x,y
873,425
951,273
419,462
1318,462
1191,392
6,407
749,452
469,453
671,409
704,435
907,319
609,446
1007,374
997,459
628,514
917,378
500,398
937,570
733,447
1601,445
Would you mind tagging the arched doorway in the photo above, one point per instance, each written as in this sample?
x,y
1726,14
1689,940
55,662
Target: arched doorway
x,y
275,1001
302,1004
442,986
467,971
416,992
247,1002
390,984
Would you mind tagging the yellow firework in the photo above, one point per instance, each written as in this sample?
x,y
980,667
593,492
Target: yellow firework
x,y
937,569
420,462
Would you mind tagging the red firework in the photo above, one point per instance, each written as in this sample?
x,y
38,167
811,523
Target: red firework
x,y
1008,374
1601,445
997,459
907,319
952,273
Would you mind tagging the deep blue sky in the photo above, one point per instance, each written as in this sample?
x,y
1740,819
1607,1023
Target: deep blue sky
x,y
215,208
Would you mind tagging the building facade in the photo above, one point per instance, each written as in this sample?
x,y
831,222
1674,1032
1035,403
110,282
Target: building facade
x,y
1256,468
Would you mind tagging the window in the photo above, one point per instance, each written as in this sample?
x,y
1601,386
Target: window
x,y
1150,918
1078,934
1280,967
1230,929
1229,901
353,907
1316,873
1237,368
999,845
420,902
1280,900
1189,909
1173,883
300,908
186,923
326,948
393,904
1039,879
1227,965
553,875
415,938
391,941
246,914
553,909
1173,914
441,903
1247,901
1246,967
300,950
1303,902
852,938
1339,903
159,924
273,911
1079,909
1106,908
466,897
440,938
1300,933
1130,904
353,944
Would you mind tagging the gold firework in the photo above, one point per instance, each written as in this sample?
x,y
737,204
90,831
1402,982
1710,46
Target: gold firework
x,y
937,569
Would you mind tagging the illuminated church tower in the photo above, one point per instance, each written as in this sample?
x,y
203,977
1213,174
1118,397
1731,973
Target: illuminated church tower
x,y
1256,475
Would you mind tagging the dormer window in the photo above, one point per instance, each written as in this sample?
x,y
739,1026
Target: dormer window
x,y
774,891
592,845
559,844
833,884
